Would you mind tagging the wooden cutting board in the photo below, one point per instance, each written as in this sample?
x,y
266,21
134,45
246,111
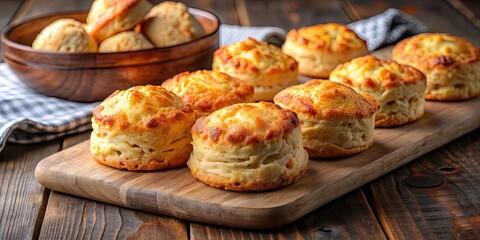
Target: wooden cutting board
x,y
176,193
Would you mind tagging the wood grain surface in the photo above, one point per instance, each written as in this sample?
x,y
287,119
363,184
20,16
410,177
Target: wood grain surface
x,y
422,215
437,196
22,199
176,193
332,221
69,217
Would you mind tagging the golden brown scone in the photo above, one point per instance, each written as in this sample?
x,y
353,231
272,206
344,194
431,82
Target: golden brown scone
x,y
142,128
319,49
207,91
451,64
108,17
65,35
335,120
170,23
248,147
125,41
258,63
398,89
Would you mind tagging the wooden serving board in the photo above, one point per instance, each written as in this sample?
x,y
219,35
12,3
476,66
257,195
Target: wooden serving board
x,y
176,193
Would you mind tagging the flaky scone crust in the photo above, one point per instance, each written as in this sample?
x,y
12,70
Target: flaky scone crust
x,y
207,91
227,184
334,119
170,23
65,35
435,50
388,82
333,150
248,147
325,38
142,128
258,63
216,128
320,48
323,99
451,64
108,17
125,41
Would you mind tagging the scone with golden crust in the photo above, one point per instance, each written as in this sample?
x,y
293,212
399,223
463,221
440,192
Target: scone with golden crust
x,y
335,120
261,64
108,17
398,89
248,147
451,64
170,23
207,91
319,49
142,128
65,35
125,41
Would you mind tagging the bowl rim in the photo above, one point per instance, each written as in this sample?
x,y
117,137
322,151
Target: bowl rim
x,y
7,41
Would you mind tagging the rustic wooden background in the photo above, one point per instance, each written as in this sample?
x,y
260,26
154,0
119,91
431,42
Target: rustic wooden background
x,y
435,196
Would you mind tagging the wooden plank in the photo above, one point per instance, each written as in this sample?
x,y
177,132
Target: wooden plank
x,y
289,14
75,139
22,199
439,16
469,8
176,193
332,221
441,212
8,8
450,210
34,8
70,217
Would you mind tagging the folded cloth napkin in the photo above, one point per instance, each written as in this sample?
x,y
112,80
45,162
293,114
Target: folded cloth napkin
x,y
29,117
387,28
233,33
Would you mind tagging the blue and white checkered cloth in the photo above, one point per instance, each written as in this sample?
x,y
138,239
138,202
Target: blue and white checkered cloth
x,y
29,117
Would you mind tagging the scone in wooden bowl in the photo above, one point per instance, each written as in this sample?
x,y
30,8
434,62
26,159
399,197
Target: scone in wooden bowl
x,y
88,77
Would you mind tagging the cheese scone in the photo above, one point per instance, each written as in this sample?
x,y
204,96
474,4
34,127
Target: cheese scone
x,y
451,64
65,35
258,63
320,48
207,91
142,128
335,120
248,147
398,89
170,23
108,17
125,41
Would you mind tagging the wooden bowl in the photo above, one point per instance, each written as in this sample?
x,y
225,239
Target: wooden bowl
x,y
88,77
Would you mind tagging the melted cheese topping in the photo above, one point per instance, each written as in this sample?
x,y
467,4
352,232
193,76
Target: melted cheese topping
x,y
323,99
254,56
246,123
372,73
138,105
431,50
332,36
207,91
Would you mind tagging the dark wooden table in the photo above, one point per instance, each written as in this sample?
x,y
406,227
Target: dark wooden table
x,y
385,208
